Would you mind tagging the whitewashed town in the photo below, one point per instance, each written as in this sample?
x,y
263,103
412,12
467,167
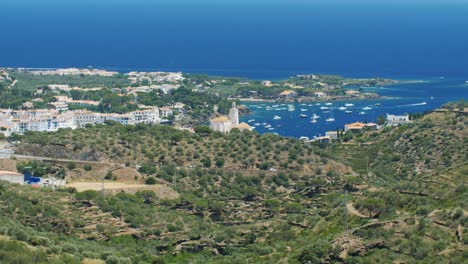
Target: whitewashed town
x,y
48,120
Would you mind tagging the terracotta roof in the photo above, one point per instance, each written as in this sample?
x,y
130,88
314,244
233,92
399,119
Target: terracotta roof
x,y
243,125
352,92
356,125
10,173
220,119
287,92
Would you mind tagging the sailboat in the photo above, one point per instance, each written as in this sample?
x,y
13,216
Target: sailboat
x,y
330,119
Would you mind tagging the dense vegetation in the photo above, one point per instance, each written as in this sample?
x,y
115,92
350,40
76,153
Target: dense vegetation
x,y
148,147
199,106
406,202
305,86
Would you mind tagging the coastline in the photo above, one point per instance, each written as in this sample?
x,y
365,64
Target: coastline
x,y
312,99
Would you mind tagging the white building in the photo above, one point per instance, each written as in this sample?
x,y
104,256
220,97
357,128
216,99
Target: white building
x,y
332,134
224,124
12,177
166,111
60,106
221,124
320,94
82,118
43,120
150,116
234,115
394,120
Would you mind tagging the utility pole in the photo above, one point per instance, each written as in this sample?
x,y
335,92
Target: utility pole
x,y
102,187
367,165
346,213
174,177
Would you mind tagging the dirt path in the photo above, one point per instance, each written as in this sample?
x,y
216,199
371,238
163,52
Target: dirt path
x,y
162,191
12,84
354,211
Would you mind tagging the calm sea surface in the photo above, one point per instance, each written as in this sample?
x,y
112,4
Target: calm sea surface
x,y
404,98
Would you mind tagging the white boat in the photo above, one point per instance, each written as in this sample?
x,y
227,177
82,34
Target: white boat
x,y
270,128
251,120
291,108
362,113
349,104
268,108
302,116
256,124
317,104
303,110
277,117
323,107
303,104
366,108
342,108
330,119
315,116
348,111
252,127
303,138
328,103
313,120
264,124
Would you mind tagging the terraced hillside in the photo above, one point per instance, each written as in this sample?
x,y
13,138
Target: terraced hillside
x,y
149,146
397,199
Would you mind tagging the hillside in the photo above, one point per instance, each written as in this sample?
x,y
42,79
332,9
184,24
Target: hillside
x,y
391,196
149,147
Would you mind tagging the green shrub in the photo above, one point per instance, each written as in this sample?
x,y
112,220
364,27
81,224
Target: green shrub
x,y
150,181
87,195
39,241
71,166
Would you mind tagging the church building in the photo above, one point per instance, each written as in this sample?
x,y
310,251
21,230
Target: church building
x,y
224,124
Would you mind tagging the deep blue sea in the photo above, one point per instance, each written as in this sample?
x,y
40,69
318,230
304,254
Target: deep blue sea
x,y
260,39
404,98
